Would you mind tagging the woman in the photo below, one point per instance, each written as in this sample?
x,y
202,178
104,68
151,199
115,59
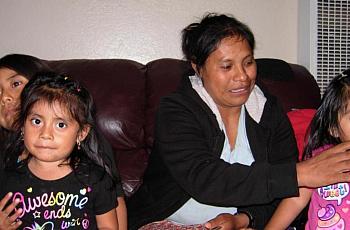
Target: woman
x,y
15,71
221,144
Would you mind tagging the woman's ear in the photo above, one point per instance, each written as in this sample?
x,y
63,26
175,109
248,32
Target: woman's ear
x,y
83,133
195,68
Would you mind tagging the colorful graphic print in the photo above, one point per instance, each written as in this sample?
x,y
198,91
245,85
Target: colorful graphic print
x,y
51,208
330,215
334,192
329,219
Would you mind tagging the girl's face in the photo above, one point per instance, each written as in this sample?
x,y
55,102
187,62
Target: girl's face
x,y
11,86
229,73
50,133
344,125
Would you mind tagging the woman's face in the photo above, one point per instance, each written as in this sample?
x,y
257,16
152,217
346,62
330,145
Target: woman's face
x,y
11,86
229,73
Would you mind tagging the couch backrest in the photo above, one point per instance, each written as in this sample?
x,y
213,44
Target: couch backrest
x,y
127,94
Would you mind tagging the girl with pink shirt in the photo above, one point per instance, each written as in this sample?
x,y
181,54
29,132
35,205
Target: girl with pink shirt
x,y
329,205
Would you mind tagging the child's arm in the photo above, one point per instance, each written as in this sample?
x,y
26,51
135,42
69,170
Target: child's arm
x,y
122,214
288,210
107,221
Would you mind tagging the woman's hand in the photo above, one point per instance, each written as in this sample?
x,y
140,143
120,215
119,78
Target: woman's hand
x,y
8,221
228,221
331,166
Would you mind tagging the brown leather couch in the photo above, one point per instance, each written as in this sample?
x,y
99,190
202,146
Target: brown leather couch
x,y
127,94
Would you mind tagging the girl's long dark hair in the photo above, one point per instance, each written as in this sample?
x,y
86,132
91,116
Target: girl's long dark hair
x,y
51,87
23,64
27,66
326,120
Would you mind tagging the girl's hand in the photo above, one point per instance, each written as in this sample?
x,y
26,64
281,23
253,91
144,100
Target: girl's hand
x,y
9,221
228,221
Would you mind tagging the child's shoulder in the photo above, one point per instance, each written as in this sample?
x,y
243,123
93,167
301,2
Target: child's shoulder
x,y
19,169
319,150
13,177
92,172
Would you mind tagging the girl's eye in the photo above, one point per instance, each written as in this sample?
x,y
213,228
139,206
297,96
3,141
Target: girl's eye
x,y
226,67
61,125
35,121
16,84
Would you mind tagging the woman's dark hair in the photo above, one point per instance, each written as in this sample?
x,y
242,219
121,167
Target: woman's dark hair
x,y
52,88
23,64
325,123
200,39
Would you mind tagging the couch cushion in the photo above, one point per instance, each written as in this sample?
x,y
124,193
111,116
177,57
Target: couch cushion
x,y
300,120
293,85
163,77
118,88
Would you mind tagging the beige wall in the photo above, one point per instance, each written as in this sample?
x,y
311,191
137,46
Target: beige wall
x,y
141,30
